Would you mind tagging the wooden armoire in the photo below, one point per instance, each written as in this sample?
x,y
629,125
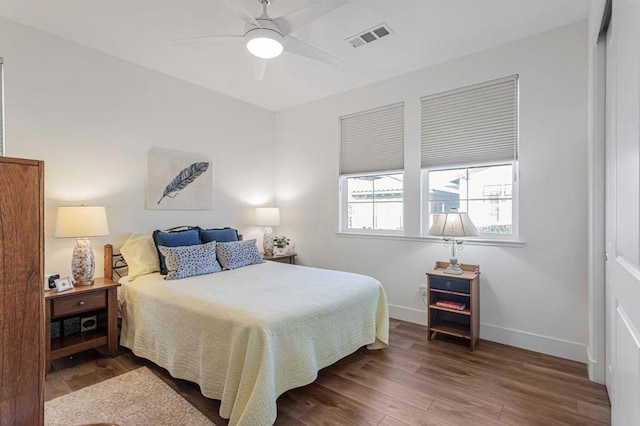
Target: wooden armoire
x,y
22,349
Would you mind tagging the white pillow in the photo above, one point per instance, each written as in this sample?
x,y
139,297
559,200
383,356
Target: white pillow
x,y
141,255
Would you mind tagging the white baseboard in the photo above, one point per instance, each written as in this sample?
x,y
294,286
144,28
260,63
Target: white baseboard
x,y
534,342
402,313
520,339
595,369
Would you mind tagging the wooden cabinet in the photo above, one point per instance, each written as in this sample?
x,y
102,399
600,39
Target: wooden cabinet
x,y
22,351
99,300
445,294
282,258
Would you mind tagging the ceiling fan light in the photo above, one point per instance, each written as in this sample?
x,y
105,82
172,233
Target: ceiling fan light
x,y
265,44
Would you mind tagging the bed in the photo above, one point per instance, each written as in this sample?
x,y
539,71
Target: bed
x,y
247,335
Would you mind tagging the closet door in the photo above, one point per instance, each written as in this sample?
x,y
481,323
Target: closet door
x,y
623,212
21,292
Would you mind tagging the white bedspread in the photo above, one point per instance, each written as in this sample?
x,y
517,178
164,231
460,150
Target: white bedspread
x,y
248,335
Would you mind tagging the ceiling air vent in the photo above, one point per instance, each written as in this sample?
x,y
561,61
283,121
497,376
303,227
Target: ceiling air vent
x,y
370,35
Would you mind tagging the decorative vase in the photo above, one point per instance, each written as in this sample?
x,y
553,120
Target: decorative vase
x,y
280,251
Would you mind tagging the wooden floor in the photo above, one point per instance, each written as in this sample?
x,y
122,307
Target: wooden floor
x,y
412,382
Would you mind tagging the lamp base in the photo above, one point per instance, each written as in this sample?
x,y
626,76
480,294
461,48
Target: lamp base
x,y
453,267
454,271
267,241
83,264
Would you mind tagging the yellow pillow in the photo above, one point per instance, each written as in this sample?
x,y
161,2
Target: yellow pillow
x,y
141,255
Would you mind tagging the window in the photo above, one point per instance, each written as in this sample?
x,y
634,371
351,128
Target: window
x,y
469,155
374,202
484,192
371,177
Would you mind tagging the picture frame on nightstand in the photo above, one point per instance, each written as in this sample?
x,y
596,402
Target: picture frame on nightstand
x,y
63,284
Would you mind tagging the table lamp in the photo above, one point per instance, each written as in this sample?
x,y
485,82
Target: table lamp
x,y
268,217
451,225
81,222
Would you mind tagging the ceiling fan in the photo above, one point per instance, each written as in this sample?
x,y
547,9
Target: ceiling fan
x,y
267,37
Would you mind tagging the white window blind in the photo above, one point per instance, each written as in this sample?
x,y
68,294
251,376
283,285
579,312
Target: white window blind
x,y
1,107
472,124
372,140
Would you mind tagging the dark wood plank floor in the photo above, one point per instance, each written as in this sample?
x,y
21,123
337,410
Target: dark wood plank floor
x,y
412,382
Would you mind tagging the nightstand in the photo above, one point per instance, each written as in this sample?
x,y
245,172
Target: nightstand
x,y
98,300
446,293
282,258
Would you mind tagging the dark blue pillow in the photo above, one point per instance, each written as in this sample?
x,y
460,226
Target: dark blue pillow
x,y
187,237
219,235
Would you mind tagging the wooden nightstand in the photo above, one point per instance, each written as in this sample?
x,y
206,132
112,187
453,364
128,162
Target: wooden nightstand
x,y
282,258
100,300
463,289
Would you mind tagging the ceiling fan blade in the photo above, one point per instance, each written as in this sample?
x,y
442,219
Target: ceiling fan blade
x,y
235,7
206,39
259,67
292,21
293,45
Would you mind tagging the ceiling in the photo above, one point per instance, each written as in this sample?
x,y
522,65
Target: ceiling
x,y
425,32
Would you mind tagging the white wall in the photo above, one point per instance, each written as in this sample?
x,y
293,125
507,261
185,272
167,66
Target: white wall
x,y
533,296
92,117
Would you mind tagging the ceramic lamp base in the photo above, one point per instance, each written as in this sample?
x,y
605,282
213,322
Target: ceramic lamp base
x,y
83,264
453,267
267,241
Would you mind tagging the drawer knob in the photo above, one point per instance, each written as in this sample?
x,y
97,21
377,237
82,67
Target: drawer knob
x,y
448,284
81,303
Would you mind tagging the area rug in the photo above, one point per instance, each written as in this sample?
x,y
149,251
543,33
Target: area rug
x,y
131,399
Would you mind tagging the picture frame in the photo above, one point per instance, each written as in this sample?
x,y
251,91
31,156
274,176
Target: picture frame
x,y
50,281
63,284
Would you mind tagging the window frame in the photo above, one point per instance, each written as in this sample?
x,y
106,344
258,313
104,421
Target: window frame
x,y
515,199
344,204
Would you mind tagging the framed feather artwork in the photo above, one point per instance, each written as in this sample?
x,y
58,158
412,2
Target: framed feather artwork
x,y
178,180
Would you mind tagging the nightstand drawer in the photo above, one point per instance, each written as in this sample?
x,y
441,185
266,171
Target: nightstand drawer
x,y
78,303
450,284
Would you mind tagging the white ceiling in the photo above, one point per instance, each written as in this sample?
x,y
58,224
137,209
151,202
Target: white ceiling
x,y
426,32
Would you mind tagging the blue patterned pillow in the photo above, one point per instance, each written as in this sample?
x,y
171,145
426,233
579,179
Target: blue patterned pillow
x,y
174,238
189,261
238,254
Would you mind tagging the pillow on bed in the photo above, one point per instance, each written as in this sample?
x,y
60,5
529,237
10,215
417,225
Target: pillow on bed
x,y
189,261
238,254
186,237
219,235
141,255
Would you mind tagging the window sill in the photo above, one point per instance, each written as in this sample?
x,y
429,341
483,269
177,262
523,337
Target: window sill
x,y
472,242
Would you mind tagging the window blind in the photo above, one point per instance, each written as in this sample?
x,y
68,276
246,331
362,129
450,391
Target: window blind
x,y
372,140
1,107
472,124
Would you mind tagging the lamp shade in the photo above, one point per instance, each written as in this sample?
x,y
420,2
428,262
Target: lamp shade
x,y
453,224
81,221
268,216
